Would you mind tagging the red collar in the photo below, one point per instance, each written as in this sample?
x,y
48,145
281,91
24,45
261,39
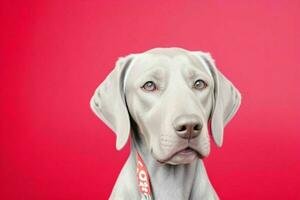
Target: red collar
x,y
143,178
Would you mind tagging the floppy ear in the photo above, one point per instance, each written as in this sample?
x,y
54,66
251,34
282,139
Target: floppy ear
x,y
108,102
227,100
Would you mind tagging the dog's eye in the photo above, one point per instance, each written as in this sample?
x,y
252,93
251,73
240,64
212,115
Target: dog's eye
x,y
200,84
149,86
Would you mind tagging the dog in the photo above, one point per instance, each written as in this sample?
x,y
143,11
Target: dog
x,y
167,101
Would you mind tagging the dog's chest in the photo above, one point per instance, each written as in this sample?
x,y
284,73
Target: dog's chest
x,y
174,183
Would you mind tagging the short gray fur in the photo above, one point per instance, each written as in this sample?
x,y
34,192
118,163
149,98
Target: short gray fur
x,y
147,119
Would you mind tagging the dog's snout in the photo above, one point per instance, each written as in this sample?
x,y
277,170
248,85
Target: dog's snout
x,y
187,126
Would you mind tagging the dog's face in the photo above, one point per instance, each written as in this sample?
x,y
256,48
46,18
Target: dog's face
x,y
169,94
173,96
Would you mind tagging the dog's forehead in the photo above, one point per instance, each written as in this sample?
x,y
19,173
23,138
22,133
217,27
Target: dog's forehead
x,y
165,58
170,52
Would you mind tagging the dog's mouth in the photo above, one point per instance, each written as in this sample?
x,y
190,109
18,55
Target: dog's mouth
x,y
186,152
189,151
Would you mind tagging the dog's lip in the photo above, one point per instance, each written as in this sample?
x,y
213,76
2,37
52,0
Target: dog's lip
x,y
184,151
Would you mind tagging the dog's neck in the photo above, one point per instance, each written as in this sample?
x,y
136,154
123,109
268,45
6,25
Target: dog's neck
x,y
167,181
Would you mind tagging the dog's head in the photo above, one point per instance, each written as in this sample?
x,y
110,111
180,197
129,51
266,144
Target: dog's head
x,y
173,97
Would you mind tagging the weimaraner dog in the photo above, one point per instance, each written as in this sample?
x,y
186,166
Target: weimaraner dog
x,y
166,100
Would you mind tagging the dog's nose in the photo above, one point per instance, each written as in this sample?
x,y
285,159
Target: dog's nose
x,y
187,126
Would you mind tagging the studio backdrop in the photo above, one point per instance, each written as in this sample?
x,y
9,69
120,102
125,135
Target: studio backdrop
x,y
53,54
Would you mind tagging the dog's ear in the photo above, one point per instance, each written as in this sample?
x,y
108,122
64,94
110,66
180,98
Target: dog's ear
x,y
108,102
227,99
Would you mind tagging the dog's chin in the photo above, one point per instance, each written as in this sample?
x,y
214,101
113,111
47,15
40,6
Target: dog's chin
x,y
185,156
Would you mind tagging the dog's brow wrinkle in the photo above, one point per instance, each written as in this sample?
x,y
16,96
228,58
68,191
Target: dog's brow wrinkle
x,y
154,71
192,73
156,74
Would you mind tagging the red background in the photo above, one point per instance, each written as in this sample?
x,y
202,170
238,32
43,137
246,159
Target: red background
x,y
55,53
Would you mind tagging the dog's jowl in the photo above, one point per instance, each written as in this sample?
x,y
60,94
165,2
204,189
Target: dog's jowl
x,y
165,101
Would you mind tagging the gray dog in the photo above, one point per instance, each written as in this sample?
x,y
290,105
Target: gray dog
x,y
166,99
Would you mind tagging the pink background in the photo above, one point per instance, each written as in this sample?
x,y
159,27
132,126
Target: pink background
x,y
53,54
